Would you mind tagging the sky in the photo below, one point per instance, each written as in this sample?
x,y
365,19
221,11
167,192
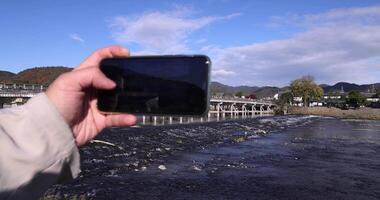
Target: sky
x,y
252,42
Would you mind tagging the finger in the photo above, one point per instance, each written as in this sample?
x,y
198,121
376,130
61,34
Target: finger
x,y
89,77
107,52
120,120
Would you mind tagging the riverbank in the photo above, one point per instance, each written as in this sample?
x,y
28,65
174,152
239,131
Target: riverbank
x,y
362,113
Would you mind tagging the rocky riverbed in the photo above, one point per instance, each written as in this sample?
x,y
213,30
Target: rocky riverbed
x,y
260,158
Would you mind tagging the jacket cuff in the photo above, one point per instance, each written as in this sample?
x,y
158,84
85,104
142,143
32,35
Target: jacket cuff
x,y
57,134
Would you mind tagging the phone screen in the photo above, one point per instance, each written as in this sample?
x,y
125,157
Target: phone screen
x,y
156,85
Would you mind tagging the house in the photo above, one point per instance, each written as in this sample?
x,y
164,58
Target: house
x,y
372,99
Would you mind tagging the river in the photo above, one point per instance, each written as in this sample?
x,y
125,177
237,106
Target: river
x,y
291,157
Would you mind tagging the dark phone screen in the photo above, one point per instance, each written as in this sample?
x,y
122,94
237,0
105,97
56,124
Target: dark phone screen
x,y
160,85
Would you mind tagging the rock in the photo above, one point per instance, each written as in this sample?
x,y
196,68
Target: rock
x,y
162,167
260,131
196,168
239,139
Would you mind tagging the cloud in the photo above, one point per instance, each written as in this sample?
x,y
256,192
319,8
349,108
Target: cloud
x,y
200,41
222,73
359,15
337,45
76,37
161,32
329,48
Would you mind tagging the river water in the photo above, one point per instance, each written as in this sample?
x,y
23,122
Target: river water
x,y
291,157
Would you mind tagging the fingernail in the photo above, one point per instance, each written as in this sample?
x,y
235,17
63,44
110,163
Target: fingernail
x,y
111,83
124,50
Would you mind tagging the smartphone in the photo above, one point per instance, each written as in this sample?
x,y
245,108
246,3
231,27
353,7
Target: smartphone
x,y
175,85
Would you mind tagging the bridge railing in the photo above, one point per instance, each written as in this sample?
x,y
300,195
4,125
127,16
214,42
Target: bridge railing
x,y
241,100
31,93
21,86
15,94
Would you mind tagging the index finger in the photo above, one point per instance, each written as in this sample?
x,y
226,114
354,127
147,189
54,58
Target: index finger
x,y
100,54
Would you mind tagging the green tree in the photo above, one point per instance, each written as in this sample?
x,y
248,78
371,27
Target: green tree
x,y
283,102
355,98
377,91
306,88
285,98
239,94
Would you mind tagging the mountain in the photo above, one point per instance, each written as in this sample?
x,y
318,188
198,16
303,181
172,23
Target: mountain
x,y
4,75
45,75
217,87
266,91
347,87
38,75
259,92
323,85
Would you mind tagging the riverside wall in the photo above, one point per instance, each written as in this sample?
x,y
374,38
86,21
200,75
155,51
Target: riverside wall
x,y
361,113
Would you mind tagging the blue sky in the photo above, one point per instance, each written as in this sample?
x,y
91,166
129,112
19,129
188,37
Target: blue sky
x,y
250,42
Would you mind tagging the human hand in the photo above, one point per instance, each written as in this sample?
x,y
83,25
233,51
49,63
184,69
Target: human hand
x,y
74,95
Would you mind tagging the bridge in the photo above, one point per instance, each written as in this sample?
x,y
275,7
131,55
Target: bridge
x,y
13,94
232,106
220,107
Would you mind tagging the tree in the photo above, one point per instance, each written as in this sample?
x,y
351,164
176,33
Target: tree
x,y
283,103
355,98
285,98
377,91
239,94
306,88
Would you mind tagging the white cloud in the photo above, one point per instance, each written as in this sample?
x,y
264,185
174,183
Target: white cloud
x,y
338,45
203,40
76,37
349,16
222,73
330,49
161,32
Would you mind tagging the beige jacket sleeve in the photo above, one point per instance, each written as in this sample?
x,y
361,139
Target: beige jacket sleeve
x,y
37,149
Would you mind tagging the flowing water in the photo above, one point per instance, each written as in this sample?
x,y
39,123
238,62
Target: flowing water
x,y
291,157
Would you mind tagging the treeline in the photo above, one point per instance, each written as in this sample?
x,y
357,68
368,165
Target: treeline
x,y
306,90
37,75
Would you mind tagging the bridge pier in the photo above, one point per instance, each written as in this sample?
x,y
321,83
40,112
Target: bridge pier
x,y
253,110
163,120
155,120
244,109
218,108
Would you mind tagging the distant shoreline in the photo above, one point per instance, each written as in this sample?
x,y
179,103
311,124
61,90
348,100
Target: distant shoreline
x,y
362,113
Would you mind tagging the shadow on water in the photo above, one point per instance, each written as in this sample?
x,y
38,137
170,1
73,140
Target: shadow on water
x,y
301,158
